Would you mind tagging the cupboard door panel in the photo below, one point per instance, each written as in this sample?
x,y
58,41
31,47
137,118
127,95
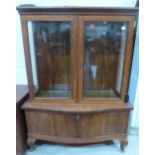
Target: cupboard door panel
x,y
51,53
51,124
102,124
51,58
103,53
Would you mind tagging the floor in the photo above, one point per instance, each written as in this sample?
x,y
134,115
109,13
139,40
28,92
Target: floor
x,y
92,149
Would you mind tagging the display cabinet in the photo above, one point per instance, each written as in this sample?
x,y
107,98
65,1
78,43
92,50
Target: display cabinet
x,y
78,64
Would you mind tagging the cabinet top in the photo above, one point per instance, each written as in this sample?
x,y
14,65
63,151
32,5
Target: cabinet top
x,y
34,10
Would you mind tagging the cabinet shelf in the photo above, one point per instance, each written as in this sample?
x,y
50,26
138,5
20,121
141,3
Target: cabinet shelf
x,y
54,93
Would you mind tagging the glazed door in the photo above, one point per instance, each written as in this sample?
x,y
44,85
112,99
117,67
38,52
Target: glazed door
x,y
104,57
51,48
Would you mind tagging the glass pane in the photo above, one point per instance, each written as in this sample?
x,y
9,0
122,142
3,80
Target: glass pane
x,y
104,52
51,58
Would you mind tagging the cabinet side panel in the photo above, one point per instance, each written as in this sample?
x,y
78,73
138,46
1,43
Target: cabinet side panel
x,y
51,124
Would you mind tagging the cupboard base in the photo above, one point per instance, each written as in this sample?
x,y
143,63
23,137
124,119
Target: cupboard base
x,y
77,127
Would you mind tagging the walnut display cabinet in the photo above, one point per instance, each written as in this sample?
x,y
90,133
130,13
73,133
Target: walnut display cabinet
x,y
78,64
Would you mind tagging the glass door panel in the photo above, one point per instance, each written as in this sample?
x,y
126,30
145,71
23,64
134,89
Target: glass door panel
x,y
50,51
104,53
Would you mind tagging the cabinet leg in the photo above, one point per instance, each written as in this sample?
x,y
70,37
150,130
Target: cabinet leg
x,y
30,142
123,144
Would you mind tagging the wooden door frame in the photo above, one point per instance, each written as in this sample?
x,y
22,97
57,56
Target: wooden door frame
x,y
74,31
127,59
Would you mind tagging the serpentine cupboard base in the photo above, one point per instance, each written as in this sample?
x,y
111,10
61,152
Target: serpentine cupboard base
x,y
73,126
